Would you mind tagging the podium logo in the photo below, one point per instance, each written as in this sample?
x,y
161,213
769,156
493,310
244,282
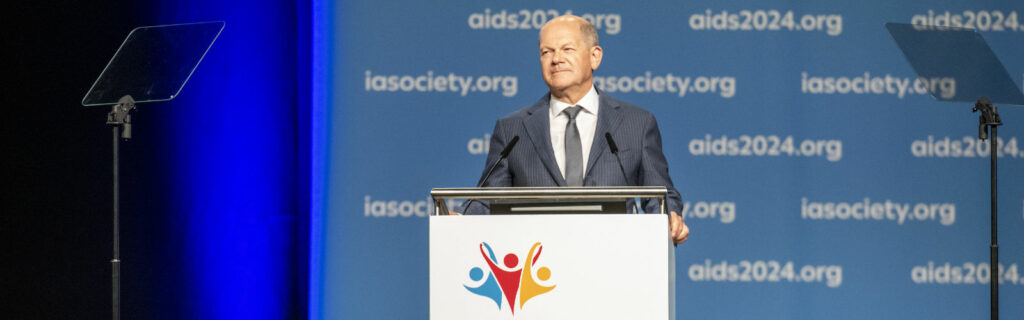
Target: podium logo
x,y
510,281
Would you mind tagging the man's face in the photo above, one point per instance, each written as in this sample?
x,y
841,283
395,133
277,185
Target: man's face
x,y
567,62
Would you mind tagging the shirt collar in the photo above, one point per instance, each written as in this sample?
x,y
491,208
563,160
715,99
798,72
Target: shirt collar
x,y
589,102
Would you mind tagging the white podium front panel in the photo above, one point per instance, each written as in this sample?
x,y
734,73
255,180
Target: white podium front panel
x,y
551,267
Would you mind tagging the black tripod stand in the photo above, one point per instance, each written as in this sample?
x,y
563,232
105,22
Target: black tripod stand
x,y
119,118
987,122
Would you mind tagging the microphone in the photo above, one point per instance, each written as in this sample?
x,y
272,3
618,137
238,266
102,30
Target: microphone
x,y
615,150
611,145
504,154
508,148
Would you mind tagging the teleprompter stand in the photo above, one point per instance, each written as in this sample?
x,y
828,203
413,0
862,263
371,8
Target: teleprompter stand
x,y
152,64
963,55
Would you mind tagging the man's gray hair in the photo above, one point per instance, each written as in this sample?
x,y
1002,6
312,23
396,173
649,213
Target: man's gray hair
x,y
587,30
589,33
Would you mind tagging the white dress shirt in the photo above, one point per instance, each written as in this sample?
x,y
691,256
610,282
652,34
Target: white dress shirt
x,y
586,122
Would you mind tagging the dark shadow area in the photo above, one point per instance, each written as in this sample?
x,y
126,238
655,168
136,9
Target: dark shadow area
x,y
55,224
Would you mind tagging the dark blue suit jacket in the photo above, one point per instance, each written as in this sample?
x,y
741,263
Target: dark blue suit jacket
x,y
532,161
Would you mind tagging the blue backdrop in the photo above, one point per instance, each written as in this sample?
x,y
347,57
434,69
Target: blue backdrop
x,y
820,178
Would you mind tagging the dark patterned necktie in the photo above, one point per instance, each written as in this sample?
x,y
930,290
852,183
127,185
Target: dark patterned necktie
x,y
573,149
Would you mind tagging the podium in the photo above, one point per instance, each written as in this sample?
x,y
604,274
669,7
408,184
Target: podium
x,y
550,266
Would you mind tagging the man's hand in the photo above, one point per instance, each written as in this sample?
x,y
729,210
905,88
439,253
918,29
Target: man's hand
x,y
453,213
677,228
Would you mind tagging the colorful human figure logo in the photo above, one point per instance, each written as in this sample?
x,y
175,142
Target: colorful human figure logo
x,y
510,280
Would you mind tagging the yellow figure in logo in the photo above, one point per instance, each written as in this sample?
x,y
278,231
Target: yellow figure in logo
x,y
529,288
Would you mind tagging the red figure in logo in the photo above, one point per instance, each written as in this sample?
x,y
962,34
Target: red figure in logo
x,y
507,279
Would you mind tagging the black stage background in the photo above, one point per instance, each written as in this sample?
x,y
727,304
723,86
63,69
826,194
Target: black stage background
x,y
56,200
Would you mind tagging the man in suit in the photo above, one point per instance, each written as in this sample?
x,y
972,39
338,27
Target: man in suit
x,y
562,136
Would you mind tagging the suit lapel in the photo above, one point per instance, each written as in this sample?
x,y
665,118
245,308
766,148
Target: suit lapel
x,y
608,119
537,126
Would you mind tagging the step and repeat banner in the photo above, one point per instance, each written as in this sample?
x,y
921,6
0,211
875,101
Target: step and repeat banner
x,y
821,179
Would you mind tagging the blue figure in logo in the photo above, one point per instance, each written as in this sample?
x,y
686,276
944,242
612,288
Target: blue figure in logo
x,y
489,288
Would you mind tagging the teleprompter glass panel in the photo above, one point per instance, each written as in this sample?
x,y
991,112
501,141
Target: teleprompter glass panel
x,y
955,64
153,63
